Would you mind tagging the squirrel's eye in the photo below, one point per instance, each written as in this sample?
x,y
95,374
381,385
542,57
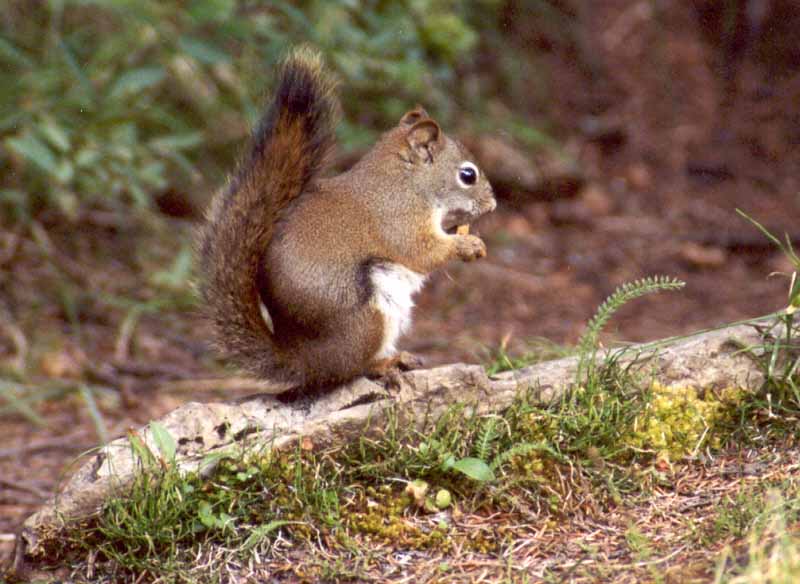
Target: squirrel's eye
x,y
467,174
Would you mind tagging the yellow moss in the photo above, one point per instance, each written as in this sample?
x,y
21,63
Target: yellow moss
x,y
384,520
678,421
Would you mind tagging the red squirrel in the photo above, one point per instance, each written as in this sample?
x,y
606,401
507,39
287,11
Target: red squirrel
x,y
308,281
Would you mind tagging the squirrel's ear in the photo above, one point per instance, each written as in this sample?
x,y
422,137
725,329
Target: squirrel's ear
x,y
424,139
413,116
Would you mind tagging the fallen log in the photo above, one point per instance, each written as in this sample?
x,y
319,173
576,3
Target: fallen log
x,y
704,361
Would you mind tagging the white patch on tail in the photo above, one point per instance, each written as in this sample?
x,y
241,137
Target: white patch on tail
x,y
266,316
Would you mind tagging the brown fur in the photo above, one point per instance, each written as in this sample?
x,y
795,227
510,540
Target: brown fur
x,y
307,247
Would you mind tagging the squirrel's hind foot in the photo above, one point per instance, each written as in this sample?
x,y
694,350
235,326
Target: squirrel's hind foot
x,y
402,361
390,370
406,361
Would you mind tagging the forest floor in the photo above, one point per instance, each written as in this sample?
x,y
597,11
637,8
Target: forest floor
x,y
672,130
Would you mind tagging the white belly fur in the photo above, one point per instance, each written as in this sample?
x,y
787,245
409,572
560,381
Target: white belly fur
x,y
394,287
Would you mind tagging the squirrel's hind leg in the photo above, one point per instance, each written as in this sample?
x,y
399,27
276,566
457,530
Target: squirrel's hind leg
x,y
390,369
402,361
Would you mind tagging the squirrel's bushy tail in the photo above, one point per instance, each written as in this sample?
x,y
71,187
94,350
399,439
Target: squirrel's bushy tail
x,y
289,147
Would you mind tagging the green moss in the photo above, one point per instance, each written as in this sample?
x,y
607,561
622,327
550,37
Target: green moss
x,y
596,445
678,421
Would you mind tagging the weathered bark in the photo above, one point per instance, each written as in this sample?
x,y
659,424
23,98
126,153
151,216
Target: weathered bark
x,y
705,361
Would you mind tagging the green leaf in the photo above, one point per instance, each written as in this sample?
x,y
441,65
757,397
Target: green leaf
x,y
224,520
474,468
10,54
182,162
152,174
296,16
202,51
205,514
164,441
34,150
136,80
77,70
207,517
176,141
14,120
178,273
211,459
138,194
64,172
448,462
86,157
55,134
66,201
447,34
260,532
124,133
12,196
211,10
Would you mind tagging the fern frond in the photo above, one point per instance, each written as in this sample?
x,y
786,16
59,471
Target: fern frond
x,y
523,449
486,438
587,346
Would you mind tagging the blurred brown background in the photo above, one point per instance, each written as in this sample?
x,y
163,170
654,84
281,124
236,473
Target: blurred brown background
x,y
620,136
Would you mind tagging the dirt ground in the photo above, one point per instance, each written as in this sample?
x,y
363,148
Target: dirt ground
x,y
673,133
674,118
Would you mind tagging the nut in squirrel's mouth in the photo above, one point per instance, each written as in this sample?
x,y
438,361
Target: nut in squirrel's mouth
x,y
458,229
457,223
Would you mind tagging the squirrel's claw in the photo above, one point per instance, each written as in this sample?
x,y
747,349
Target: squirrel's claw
x,y
390,370
393,380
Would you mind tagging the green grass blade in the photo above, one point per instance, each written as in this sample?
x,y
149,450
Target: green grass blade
x,y
9,394
259,533
94,413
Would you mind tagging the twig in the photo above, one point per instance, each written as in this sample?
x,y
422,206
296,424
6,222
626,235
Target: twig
x,y
61,261
24,487
104,373
17,338
58,443
659,560
142,369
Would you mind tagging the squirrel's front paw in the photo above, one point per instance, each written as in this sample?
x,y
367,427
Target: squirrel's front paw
x,y
470,247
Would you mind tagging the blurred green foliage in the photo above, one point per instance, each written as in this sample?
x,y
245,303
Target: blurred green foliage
x,y
104,102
